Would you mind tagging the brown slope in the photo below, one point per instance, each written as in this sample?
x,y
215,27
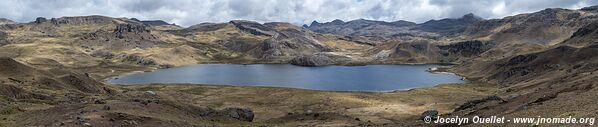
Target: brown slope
x,y
559,81
92,40
526,33
546,27
289,41
274,41
27,77
59,97
584,36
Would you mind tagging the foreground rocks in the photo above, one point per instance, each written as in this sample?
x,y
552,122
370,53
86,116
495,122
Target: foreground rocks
x,y
240,114
429,114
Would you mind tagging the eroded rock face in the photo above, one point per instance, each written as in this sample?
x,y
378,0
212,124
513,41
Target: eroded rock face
x,y
319,59
122,30
253,27
312,60
467,48
81,20
121,36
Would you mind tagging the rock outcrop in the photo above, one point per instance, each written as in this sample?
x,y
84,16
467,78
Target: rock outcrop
x,y
467,48
253,27
312,60
429,115
122,30
241,114
118,35
319,59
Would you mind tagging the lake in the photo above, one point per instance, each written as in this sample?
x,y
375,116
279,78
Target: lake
x,y
373,78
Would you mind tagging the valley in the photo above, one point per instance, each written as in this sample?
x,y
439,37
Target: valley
x,y
53,71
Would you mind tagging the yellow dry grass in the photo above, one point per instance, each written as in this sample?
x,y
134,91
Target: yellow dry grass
x,y
270,102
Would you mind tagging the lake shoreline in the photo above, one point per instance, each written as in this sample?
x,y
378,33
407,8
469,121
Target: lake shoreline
x,y
315,78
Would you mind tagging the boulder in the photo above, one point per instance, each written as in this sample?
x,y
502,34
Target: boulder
x,y
430,113
240,114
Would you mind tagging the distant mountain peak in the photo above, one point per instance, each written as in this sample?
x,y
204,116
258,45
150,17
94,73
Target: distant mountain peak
x,y
471,17
153,22
305,26
337,21
314,23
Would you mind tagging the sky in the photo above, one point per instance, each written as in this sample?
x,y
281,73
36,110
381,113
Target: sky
x,y
190,12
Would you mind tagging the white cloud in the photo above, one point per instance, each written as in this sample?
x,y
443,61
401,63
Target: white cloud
x,y
189,12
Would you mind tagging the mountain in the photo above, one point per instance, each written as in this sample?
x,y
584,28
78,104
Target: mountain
x,y
363,27
449,26
80,41
590,8
269,41
544,63
531,32
396,29
155,22
6,21
561,75
584,36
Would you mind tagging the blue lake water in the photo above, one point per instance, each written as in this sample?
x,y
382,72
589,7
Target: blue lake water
x,y
335,78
